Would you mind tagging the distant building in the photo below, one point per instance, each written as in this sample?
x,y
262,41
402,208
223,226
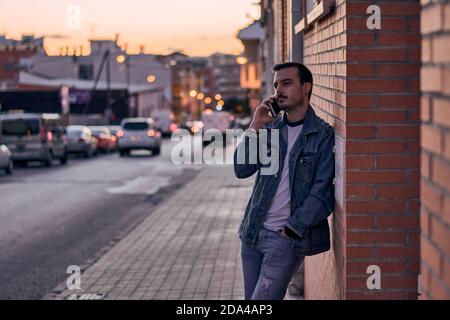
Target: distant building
x,y
251,63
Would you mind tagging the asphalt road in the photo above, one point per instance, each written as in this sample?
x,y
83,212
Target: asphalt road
x,y
52,218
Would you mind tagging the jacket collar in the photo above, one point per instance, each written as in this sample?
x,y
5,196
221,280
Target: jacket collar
x,y
310,125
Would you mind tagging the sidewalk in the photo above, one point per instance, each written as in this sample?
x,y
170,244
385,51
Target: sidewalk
x,y
188,248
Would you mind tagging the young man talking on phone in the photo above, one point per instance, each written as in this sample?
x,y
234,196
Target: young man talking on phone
x,y
286,216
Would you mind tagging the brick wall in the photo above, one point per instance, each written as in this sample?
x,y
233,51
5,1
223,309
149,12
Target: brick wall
x,y
435,183
367,87
324,52
281,31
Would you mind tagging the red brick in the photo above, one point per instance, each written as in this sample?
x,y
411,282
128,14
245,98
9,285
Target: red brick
x,y
432,79
413,146
441,173
431,196
438,290
426,50
407,8
359,252
446,210
399,101
399,192
398,221
375,206
375,147
376,86
377,55
397,162
425,109
360,39
413,237
360,101
360,162
447,272
376,295
413,267
360,222
425,222
441,112
385,266
398,131
441,48
360,132
393,24
398,252
376,117
399,39
447,145
356,23
425,165
431,139
365,237
431,19
414,85
399,282
440,234
375,177
360,70
398,70
430,255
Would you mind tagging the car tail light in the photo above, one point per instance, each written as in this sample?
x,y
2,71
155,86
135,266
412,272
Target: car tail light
x,y
151,133
49,136
120,134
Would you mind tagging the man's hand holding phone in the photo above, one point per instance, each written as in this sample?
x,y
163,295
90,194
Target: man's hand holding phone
x,y
263,114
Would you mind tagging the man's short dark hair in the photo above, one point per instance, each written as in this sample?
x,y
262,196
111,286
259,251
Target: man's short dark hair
x,y
304,73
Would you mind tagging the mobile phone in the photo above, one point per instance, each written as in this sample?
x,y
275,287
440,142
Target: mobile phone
x,y
274,109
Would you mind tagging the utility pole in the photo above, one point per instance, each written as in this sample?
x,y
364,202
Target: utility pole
x,y
108,90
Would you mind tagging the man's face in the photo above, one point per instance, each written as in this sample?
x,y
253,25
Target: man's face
x,y
290,93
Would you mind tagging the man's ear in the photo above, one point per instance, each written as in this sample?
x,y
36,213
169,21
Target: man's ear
x,y
307,88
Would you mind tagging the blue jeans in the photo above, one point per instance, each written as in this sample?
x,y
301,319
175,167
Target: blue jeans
x,y
269,266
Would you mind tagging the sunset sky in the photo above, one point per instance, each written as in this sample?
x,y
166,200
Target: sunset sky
x,y
198,27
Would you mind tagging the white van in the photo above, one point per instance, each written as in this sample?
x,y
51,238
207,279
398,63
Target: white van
x,y
34,137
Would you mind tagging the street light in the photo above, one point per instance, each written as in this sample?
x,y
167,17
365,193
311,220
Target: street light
x,y
193,94
120,59
241,60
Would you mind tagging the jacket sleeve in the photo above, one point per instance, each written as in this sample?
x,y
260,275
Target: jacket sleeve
x,y
246,160
320,202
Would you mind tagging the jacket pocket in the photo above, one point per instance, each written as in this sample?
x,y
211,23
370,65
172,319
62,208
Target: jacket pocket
x,y
304,169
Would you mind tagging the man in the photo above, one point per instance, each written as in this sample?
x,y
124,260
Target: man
x,y
286,216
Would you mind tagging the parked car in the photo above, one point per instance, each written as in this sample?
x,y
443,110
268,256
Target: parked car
x,y
6,161
139,133
164,121
81,141
106,142
35,137
114,130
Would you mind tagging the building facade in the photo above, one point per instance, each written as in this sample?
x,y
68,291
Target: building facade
x,y
392,172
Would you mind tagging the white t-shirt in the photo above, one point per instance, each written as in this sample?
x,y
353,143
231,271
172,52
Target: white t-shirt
x,y
280,210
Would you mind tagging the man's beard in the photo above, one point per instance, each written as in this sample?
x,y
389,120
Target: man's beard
x,y
289,106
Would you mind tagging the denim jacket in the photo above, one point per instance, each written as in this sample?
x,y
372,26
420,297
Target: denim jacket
x,y
311,174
